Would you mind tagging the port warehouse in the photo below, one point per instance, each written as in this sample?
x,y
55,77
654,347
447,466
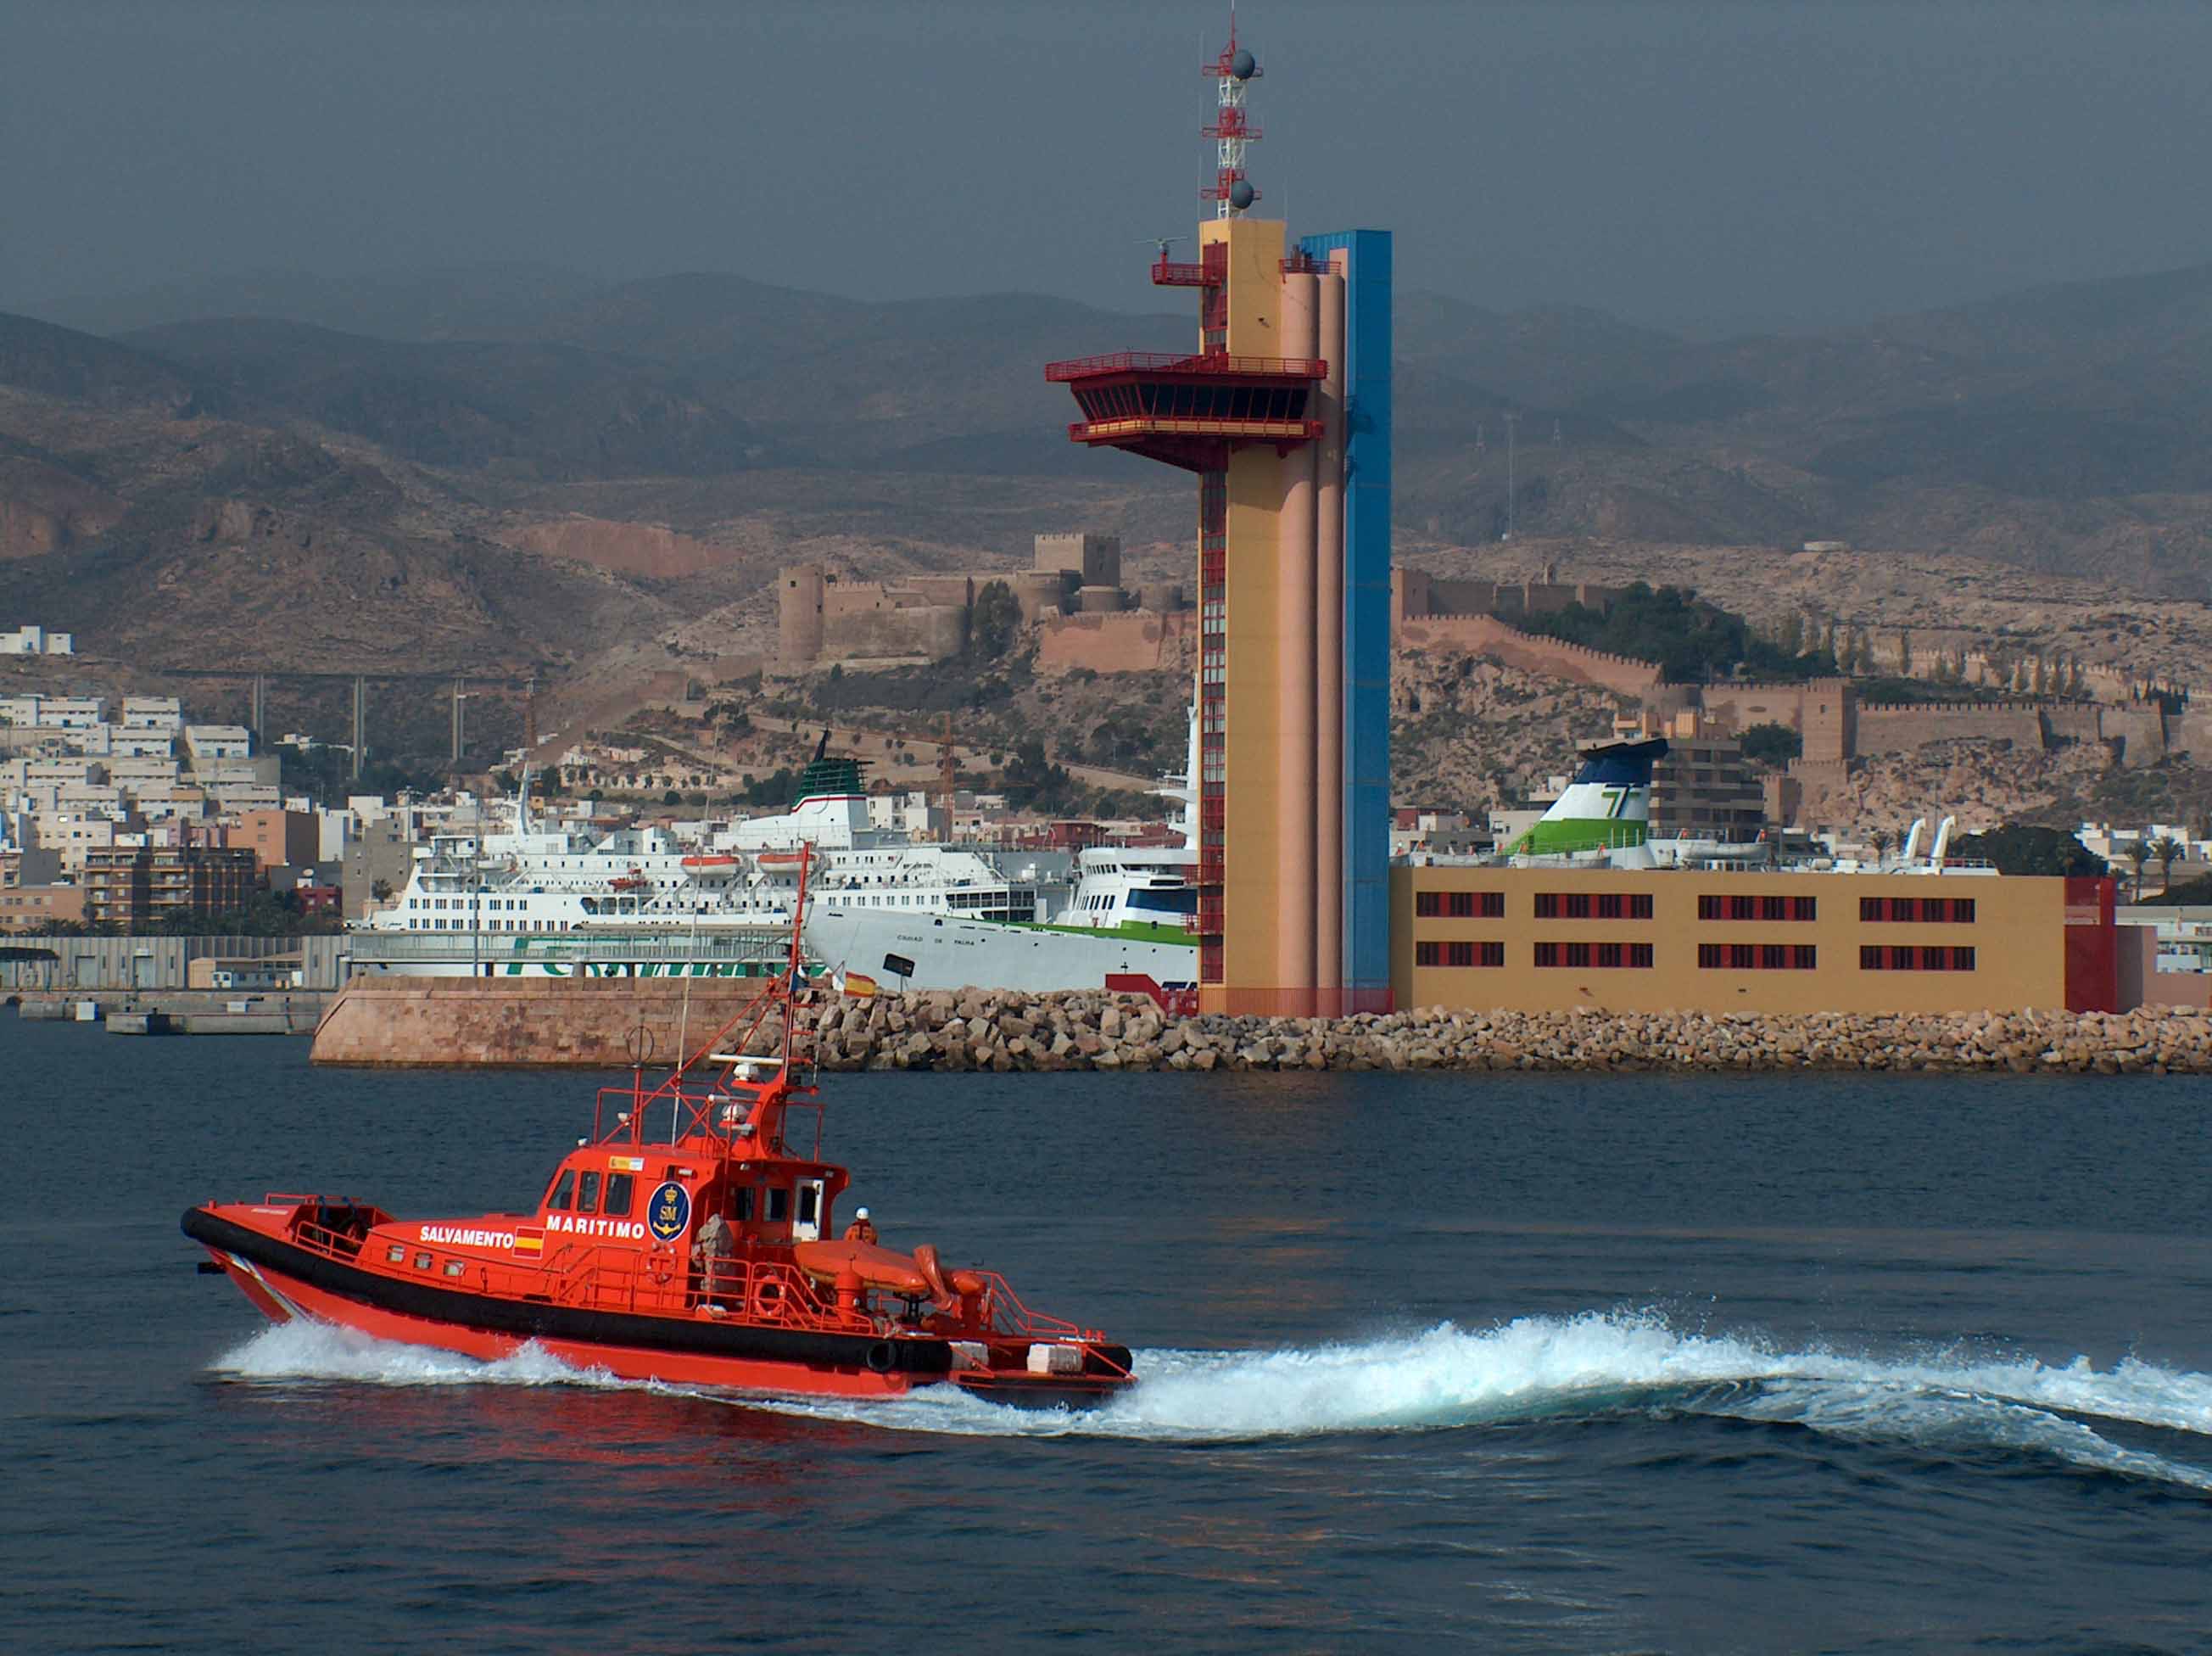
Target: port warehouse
x,y
1622,940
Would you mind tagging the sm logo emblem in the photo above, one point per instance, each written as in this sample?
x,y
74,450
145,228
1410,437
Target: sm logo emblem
x,y
669,1211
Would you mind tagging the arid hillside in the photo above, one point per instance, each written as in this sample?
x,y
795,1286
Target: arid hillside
x,y
459,470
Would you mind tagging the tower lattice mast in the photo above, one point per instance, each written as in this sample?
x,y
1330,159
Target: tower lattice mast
x,y
1233,71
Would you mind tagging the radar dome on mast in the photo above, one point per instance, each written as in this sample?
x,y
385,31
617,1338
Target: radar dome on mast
x,y
1232,193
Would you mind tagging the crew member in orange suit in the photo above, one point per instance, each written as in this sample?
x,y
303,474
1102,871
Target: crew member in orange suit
x,y
861,1230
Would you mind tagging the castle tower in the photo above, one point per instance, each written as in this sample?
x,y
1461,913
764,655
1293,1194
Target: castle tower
x,y
798,594
1284,414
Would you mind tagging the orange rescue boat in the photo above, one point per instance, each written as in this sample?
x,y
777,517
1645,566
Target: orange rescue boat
x,y
687,1239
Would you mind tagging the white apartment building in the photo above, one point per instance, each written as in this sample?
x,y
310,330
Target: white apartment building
x,y
233,797
161,713
37,712
72,836
37,640
142,744
171,802
218,741
47,771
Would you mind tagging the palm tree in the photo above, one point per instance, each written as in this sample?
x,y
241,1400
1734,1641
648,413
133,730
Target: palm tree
x,y
2168,851
2138,852
1881,839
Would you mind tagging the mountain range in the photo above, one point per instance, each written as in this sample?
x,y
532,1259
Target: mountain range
x,y
366,469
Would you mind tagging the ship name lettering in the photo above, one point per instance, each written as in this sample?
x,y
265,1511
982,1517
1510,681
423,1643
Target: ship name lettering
x,y
580,1226
463,1236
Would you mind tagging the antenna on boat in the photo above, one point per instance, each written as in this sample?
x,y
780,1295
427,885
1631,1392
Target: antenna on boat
x,y
683,1021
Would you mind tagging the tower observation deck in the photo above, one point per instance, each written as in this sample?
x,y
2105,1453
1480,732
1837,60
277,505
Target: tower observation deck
x,y
1284,412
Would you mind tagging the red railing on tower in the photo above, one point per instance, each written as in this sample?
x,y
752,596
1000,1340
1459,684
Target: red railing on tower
x,y
1168,362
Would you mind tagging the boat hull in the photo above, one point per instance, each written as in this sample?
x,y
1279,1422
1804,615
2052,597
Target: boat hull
x,y
287,1282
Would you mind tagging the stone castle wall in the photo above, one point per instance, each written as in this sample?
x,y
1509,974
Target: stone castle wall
x,y
933,631
1416,593
822,620
1486,635
1901,729
1129,641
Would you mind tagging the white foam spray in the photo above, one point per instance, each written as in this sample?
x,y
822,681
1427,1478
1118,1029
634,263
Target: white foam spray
x,y
1529,1369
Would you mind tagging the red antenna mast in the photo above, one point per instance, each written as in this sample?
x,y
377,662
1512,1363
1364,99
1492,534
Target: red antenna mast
x,y
1232,193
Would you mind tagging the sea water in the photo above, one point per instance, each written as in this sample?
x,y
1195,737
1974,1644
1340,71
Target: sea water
x,y
1525,1363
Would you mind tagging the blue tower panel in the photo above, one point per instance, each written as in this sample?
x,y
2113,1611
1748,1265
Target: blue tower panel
x,y
1366,607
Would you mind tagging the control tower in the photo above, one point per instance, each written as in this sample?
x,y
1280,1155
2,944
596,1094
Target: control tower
x,y
1284,412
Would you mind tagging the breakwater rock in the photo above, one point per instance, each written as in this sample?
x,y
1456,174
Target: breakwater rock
x,y
975,1030
606,1023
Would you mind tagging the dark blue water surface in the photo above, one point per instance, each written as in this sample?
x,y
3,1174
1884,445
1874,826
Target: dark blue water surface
x,y
1518,1363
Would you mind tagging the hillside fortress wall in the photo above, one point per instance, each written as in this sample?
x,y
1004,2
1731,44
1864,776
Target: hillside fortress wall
x,y
1073,595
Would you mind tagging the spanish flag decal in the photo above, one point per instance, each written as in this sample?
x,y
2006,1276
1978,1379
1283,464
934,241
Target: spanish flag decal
x,y
627,1164
528,1241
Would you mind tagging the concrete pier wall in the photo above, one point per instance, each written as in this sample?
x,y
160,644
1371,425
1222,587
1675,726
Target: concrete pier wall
x,y
588,1023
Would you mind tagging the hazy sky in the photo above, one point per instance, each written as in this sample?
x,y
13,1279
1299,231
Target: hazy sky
x,y
1761,162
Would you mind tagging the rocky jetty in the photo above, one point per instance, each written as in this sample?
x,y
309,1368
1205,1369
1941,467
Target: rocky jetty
x,y
1004,1030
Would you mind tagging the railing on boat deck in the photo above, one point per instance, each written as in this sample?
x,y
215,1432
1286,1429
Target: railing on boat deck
x,y
1004,1314
711,1115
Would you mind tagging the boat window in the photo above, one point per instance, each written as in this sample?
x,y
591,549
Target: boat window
x,y
779,1205
422,1262
395,1252
453,1268
588,1194
809,1195
745,1203
563,1189
618,1200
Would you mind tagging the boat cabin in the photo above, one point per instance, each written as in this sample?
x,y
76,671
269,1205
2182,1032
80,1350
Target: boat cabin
x,y
665,1194
727,1154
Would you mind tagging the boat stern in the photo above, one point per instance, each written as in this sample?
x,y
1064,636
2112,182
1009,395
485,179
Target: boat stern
x,y
1079,1373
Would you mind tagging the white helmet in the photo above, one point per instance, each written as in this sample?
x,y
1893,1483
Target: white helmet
x,y
859,1213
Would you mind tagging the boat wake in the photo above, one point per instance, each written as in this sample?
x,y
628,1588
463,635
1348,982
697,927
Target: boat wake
x,y
320,1351
1530,1369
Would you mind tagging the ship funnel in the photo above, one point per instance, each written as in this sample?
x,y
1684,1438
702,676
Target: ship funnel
x,y
1943,841
1911,851
1608,805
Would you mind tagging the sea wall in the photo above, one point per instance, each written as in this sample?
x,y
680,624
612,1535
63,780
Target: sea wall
x,y
584,1023
475,1021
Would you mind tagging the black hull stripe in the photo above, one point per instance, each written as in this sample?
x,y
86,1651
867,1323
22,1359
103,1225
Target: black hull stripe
x,y
491,1314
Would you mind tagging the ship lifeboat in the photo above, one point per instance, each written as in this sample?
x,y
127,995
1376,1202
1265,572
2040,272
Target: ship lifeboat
x,y
782,859
705,863
688,1239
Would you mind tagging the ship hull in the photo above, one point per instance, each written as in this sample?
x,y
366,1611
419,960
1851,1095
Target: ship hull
x,y
289,1283
948,952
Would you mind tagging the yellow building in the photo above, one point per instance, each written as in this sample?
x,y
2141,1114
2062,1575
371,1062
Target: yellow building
x,y
1622,940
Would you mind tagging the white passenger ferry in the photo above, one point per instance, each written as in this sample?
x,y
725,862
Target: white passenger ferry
x,y
546,901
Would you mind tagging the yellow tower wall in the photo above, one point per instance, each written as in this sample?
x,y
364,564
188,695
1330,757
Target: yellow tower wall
x,y
1263,784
